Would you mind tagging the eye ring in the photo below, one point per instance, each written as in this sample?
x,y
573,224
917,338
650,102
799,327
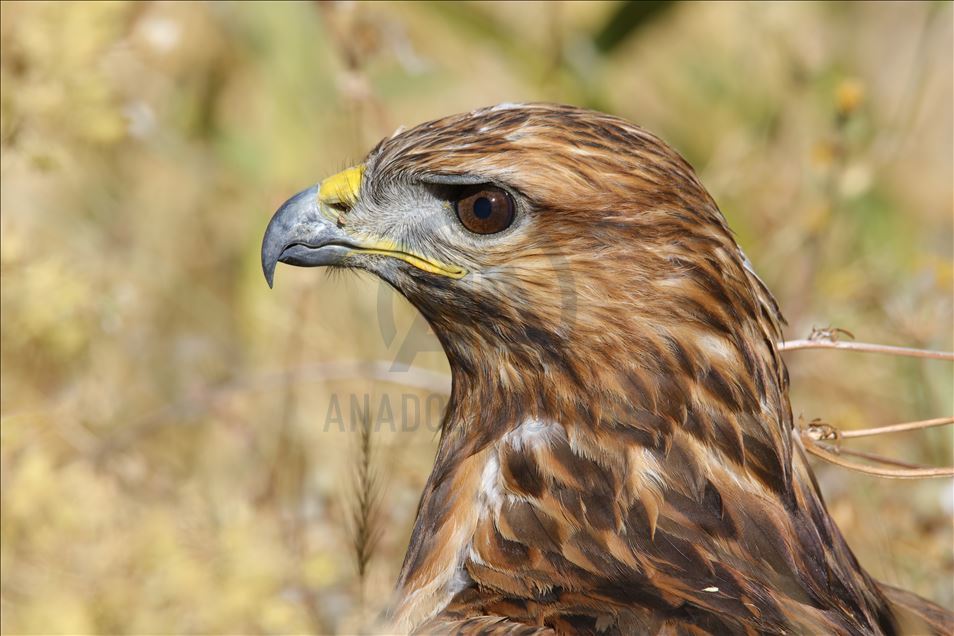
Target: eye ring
x,y
485,209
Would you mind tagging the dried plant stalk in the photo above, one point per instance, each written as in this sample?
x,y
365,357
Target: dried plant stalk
x,y
896,428
365,506
829,455
865,347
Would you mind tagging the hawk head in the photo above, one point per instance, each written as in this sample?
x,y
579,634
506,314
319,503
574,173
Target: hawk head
x,y
547,246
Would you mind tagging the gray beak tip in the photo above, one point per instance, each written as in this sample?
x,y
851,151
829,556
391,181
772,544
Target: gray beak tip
x,y
268,269
269,263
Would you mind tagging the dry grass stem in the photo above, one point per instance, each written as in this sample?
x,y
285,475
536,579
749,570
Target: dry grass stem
x,y
829,455
830,338
816,432
865,347
897,428
880,459
365,507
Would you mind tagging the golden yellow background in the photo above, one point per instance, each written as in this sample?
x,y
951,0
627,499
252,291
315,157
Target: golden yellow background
x,y
171,456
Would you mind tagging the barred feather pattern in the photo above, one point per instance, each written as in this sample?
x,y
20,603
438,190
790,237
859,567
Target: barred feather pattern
x,y
617,455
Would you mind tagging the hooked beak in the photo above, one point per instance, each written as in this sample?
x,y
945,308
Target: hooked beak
x,y
300,235
305,232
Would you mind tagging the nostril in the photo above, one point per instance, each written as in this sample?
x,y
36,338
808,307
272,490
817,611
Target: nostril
x,y
341,208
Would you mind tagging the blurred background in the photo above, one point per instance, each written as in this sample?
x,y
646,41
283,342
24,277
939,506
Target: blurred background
x,y
182,447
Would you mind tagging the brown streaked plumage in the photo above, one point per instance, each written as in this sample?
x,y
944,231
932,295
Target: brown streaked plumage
x,y
617,454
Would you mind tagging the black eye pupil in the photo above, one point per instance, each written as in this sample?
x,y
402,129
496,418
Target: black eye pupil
x,y
482,208
485,209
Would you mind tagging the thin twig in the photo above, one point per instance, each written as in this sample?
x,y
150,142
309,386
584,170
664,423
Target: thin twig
x,y
839,450
866,347
896,428
892,473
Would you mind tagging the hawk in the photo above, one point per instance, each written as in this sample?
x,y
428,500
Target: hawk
x,y
617,453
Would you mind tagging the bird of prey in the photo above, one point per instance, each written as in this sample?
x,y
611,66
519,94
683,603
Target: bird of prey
x,y
617,453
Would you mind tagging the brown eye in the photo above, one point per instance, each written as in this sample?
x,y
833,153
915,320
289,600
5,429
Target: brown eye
x,y
485,210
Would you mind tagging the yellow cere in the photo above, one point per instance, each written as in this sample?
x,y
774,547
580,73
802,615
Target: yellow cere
x,y
342,187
